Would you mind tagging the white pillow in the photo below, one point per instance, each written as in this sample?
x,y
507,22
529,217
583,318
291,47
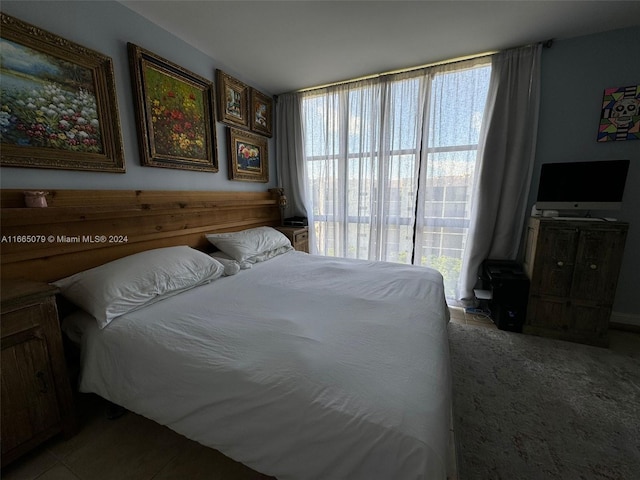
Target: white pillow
x,y
123,285
252,245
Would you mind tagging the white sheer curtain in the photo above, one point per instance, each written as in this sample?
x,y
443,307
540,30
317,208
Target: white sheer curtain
x,y
389,165
457,97
506,161
361,148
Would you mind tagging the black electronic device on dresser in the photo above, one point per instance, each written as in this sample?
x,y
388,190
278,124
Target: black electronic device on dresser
x,y
509,287
295,222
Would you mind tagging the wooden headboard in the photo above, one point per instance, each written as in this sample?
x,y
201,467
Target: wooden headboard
x,y
81,229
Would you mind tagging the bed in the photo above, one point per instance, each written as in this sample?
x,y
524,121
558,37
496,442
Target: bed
x,y
301,366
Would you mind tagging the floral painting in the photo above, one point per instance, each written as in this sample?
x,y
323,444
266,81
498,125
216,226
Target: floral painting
x,y
57,107
177,117
174,109
620,118
248,157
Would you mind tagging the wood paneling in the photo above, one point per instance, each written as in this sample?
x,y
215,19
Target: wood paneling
x,y
81,229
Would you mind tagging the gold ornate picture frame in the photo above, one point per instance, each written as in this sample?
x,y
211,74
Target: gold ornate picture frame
x,y
59,105
174,114
233,100
248,156
261,113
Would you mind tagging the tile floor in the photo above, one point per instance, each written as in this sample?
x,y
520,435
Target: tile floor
x,y
130,447
134,448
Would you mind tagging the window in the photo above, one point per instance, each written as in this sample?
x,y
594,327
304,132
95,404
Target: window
x,y
390,165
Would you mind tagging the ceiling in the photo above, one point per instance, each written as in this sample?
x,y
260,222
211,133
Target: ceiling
x,y
281,46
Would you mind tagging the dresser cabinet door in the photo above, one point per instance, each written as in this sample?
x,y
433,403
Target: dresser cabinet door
x,y
589,321
598,259
555,255
29,403
547,313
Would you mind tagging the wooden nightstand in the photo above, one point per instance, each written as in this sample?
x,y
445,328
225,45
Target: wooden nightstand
x,y
37,402
299,237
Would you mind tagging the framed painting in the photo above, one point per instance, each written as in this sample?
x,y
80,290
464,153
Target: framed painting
x,y
174,114
233,100
261,113
248,156
620,118
58,106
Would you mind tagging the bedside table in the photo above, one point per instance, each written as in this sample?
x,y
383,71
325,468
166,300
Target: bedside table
x,y
37,402
299,237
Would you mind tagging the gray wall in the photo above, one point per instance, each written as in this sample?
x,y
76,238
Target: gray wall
x,y
107,27
574,74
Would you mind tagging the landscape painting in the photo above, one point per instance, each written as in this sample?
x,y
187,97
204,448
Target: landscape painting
x,y
261,113
233,99
58,103
47,101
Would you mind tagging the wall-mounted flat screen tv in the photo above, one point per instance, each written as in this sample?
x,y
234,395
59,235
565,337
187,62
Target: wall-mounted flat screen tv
x,y
597,185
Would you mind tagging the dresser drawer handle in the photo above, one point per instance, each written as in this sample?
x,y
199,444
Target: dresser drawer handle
x,y
593,266
560,263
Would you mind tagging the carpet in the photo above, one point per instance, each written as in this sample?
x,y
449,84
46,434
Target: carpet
x,y
528,407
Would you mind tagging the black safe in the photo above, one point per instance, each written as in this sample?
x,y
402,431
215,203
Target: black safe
x,y
509,287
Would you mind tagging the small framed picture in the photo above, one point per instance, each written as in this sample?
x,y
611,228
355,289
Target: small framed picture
x,y
261,113
620,117
174,112
248,156
233,100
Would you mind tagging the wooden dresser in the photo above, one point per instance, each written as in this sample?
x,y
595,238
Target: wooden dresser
x,y
36,395
573,266
299,237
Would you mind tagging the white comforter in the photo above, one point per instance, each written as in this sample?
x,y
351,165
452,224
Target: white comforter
x,y
303,367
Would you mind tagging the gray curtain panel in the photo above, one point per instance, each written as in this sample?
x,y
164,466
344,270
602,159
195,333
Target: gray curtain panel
x,y
506,156
290,153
